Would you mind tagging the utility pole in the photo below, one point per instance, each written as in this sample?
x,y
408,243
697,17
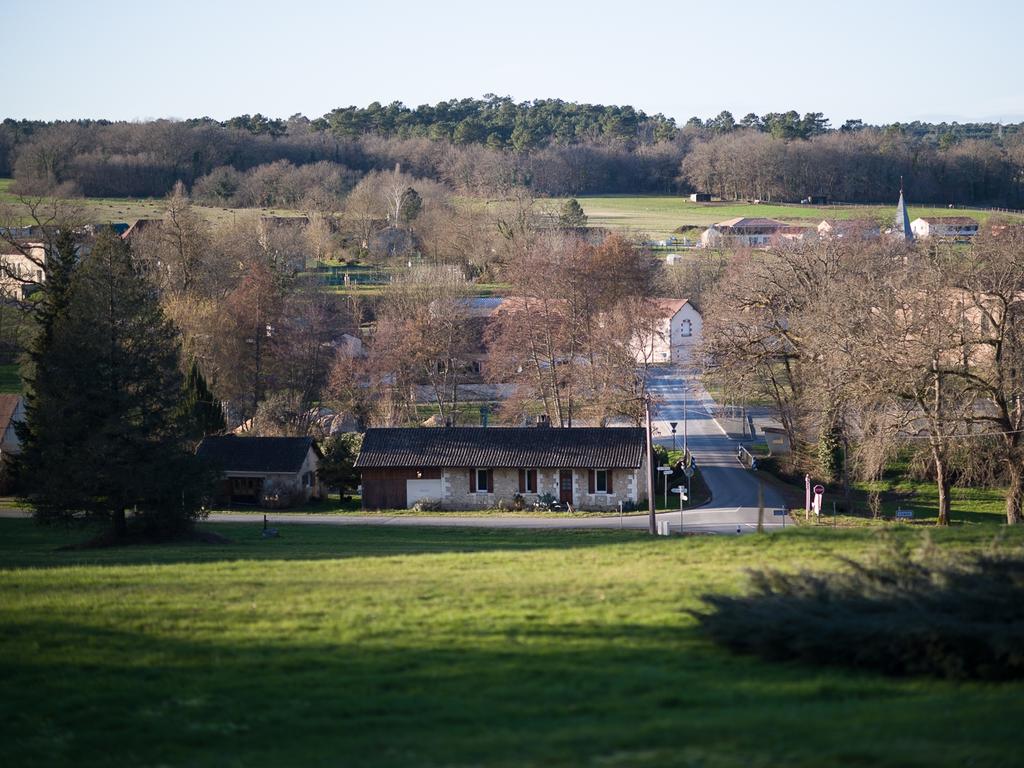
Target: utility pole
x,y
686,387
653,522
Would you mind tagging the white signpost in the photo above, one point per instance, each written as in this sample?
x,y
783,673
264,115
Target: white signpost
x,y
683,496
666,471
819,493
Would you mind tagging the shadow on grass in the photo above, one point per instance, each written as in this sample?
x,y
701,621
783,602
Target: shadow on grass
x,y
24,544
565,695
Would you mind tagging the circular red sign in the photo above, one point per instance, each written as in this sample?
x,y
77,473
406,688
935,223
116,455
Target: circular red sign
x,y
819,489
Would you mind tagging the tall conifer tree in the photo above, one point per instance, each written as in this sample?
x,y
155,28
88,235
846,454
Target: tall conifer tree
x,y
105,431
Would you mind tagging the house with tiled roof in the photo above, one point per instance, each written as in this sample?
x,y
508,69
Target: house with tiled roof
x,y
484,467
750,232
849,229
946,227
268,471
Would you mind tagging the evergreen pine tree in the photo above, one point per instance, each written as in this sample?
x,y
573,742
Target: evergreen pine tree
x,y
410,206
105,433
202,412
572,215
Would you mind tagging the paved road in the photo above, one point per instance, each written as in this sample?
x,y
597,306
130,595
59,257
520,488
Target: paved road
x,y
734,490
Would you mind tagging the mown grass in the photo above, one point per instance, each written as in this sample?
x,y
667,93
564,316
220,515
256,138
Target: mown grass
x,y
10,379
660,215
405,646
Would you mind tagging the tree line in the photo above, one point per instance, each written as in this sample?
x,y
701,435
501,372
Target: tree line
x,y
484,146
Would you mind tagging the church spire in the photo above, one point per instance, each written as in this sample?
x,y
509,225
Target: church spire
x,y
902,217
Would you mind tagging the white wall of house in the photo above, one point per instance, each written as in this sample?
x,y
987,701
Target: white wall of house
x,y
924,229
686,327
673,340
627,486
19,272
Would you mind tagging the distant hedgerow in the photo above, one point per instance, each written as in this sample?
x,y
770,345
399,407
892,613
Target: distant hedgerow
x,y
958,617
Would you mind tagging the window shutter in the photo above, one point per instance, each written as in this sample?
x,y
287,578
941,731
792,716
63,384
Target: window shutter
x,y
590,481
490,481
610,473
472,479
532,477
522,481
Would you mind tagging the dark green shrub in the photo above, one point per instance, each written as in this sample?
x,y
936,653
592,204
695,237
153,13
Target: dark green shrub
x,y
901,614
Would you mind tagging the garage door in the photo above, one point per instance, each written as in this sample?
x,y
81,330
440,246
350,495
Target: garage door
x,y
421,489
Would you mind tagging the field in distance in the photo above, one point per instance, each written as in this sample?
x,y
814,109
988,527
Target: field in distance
x,y
660,215
109,210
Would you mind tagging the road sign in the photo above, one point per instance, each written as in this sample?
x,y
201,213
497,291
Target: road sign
x,y
780,512
819,489
673,424
688,472
904,514
679,489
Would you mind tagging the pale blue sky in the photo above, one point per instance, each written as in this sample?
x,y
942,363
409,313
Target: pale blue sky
x,y
879,60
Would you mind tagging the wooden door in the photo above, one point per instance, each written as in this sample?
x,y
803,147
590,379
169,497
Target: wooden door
x,y
565,486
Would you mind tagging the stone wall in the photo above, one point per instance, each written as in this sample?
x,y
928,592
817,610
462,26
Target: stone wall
x,y
627,486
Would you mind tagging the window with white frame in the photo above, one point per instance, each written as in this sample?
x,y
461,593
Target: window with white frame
x,y
601,481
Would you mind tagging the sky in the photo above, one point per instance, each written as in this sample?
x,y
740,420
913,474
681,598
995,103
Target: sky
x,y
877,60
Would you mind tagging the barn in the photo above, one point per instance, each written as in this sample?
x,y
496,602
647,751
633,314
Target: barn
x,y
479,467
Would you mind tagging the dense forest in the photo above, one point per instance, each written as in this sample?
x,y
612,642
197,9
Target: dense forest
x,y
487,146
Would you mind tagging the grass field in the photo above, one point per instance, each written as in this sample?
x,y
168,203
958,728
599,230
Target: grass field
x,y
10,379
403,646
659,216
108,210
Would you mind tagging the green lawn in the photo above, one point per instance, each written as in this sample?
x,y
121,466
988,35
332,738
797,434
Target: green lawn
x,y
404,646
10,379
660,215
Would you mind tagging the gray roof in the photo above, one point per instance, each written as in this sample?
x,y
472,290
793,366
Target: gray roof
x,y
230,453
903,218
504,447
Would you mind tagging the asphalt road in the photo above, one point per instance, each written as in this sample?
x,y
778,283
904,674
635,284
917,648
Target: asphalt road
x,y
733,509
734,489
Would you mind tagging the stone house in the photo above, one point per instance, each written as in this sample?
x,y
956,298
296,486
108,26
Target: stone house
x,y
480,468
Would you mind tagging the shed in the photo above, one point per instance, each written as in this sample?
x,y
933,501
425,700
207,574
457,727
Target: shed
x,y
269,471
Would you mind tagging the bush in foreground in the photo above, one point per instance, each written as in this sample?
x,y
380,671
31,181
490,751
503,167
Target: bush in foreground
x,y
901,613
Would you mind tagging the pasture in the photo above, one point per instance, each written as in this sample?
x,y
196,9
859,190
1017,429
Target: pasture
x,y
659,216
109,210
390,646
